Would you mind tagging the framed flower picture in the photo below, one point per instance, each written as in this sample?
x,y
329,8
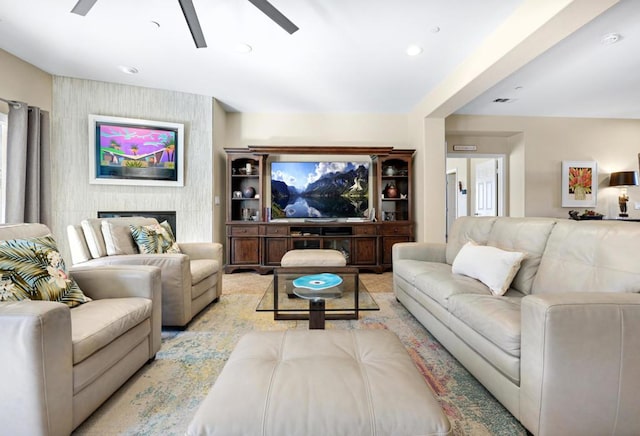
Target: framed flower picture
x,y
579,183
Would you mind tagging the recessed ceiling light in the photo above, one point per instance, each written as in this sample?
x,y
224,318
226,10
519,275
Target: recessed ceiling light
x,y
610,38
243,48
414,50
128,70
154,24
435,29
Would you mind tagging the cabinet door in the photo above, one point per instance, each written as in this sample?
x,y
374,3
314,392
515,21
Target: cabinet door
x,y
275,248
245,251
387,243
364,251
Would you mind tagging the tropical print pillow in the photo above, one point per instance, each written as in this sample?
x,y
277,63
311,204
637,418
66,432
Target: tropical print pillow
x,y
154,239
33,269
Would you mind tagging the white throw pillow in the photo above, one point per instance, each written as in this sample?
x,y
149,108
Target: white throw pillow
x,y
494,267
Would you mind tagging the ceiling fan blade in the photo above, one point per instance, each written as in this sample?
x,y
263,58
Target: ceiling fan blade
x,y
83,7
192,21
270,11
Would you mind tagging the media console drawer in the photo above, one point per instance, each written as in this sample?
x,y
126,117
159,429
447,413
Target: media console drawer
x,y
277,230
364,230
243,230
398,229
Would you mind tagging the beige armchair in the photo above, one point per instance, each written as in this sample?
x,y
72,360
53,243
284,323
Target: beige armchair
x,y
191,280
60,364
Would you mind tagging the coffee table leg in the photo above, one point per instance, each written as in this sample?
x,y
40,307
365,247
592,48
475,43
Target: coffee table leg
x,y
316,314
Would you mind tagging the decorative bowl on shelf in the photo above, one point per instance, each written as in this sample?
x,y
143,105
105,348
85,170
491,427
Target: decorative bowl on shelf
x,y
390,191
249,192
586,215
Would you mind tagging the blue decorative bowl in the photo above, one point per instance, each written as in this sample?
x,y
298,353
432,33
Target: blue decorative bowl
x,y
317,282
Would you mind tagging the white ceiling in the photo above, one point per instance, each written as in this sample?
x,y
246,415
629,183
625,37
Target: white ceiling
x,y
348,55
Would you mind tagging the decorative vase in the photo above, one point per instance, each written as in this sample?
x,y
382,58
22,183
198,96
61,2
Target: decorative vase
x,y
249,192
390,191
579,192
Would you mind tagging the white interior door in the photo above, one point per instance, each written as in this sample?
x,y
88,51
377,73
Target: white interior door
x,y
486,183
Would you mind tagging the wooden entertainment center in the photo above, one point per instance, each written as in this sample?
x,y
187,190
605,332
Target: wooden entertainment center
x,y
255,243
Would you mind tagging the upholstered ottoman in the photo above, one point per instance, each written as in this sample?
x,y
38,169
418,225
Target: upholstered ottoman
x,y
312,257
320,382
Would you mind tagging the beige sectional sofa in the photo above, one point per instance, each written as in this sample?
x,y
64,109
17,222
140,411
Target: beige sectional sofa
x,y
191,280
561,349
60,364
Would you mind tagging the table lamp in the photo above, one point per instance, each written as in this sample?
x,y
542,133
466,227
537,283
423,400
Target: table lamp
x,y
623,179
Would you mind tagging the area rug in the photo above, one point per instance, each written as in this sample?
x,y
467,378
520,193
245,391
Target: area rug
x,y
162,398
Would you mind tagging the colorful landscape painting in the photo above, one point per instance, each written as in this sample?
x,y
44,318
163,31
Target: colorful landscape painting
x,y
136,152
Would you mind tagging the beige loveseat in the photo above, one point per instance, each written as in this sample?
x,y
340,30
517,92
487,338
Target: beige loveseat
x,y
191,280
561,349
60,364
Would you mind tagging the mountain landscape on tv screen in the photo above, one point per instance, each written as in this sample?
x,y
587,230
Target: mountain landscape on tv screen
x,y
319,189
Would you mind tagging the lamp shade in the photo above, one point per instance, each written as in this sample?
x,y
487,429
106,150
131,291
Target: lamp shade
x,y
623,178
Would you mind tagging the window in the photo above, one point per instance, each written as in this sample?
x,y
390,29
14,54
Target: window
x,y
3,164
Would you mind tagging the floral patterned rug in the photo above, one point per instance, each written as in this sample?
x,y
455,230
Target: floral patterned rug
x,y
163,396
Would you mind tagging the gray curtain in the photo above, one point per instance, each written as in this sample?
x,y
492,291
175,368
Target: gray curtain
x,y
28,176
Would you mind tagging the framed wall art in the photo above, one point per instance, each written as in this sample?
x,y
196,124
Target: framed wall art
x,y
128,151
579,183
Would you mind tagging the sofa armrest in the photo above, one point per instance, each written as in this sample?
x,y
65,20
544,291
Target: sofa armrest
x,y
176,280
36,361
579,363
125,281
116,281
202,250
425,251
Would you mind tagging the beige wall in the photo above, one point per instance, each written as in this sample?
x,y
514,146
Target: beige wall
x,y
245,129
543,143
75,199
22,81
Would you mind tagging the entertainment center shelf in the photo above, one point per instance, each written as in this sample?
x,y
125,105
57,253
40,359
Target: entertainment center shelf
x,y
256,243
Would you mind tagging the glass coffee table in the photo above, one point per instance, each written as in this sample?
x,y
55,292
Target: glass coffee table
x,y
290,302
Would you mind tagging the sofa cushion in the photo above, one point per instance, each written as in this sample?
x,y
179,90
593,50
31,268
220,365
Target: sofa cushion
x,y
583,256
78,244
440,284
494,267
98,323
409,269
33,269
495,318
202,268
528,235
467,229
92,229
155,238
118,239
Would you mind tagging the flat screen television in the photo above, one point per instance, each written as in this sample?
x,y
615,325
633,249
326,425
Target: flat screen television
x,y
319,189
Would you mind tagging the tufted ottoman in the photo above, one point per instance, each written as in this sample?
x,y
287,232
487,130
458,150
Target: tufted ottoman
x,y
320,382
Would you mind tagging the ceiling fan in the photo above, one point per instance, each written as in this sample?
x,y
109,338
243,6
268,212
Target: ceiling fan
x,y
82,7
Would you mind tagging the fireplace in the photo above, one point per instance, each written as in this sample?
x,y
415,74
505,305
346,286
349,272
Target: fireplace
x,y
169,216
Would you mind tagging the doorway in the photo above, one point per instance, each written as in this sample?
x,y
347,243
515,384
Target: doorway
x,y
479,188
